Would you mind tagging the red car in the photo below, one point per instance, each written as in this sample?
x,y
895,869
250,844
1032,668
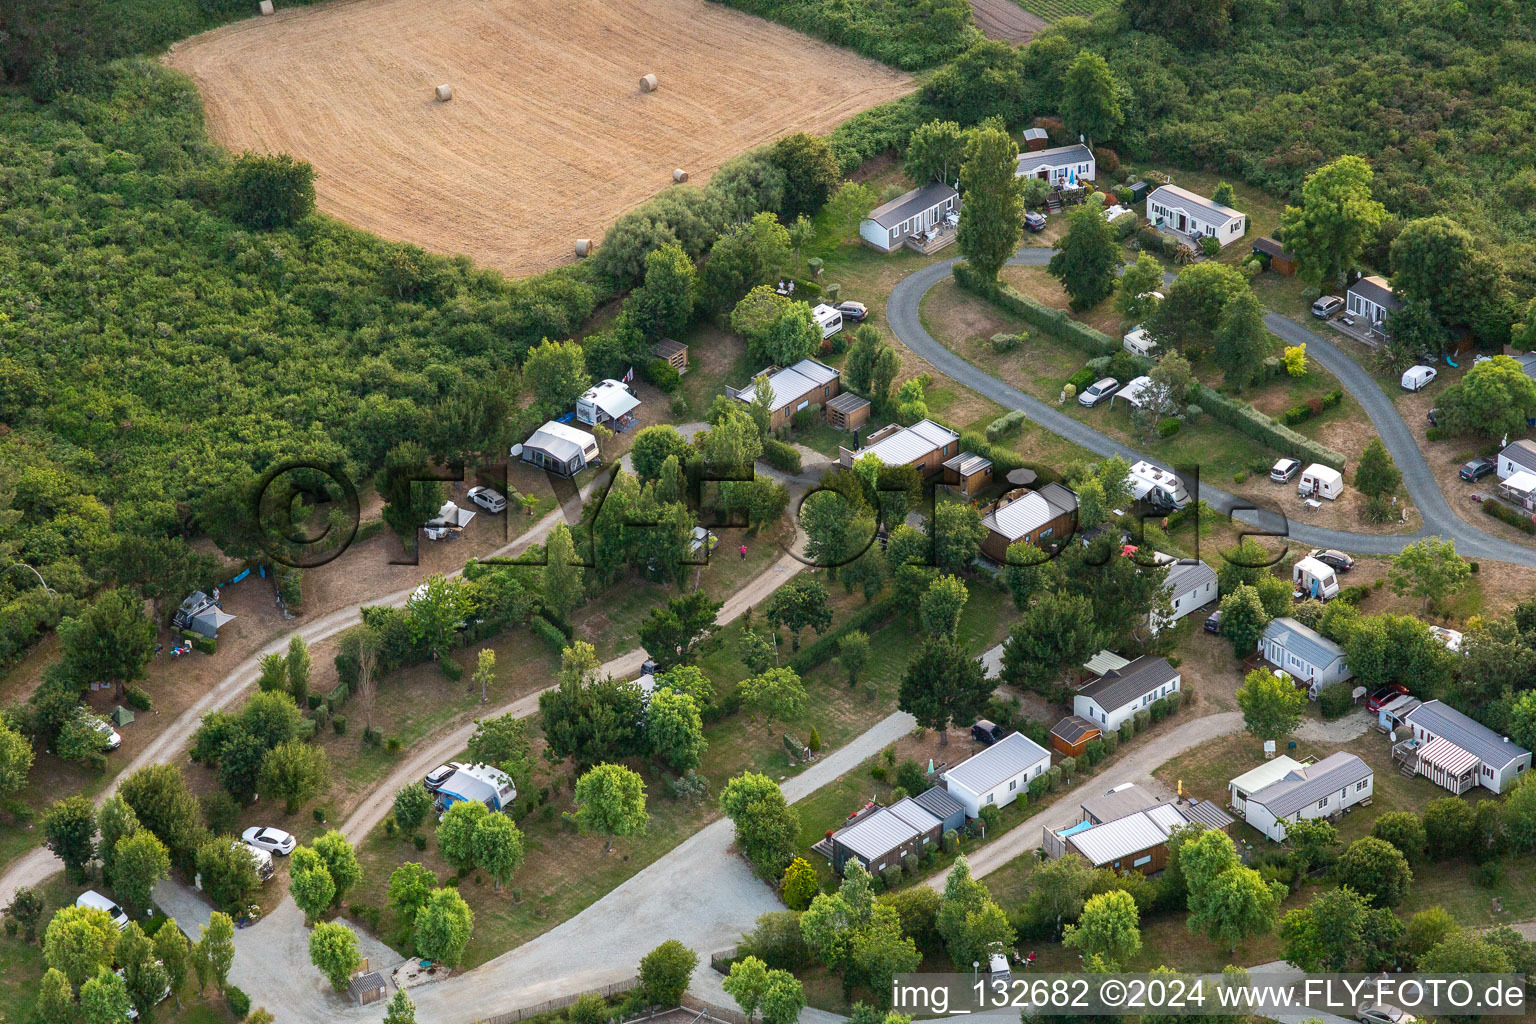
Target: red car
x,y
1385,695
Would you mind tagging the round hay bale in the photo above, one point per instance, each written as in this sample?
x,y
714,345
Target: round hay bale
x,y
679,175
583,247
444,93
648,83
266,7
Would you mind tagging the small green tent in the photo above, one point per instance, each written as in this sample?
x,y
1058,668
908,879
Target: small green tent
x,y
121,715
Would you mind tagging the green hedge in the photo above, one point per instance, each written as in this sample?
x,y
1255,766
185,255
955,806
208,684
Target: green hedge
x,y
1004,459
546,631
1005,424
1124,226
824,649
1504,514
1055,322
781,456
1247,420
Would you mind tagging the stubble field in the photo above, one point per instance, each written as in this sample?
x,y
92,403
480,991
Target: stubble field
x,y
548,137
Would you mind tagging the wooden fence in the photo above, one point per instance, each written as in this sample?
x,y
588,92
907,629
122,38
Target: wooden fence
x,y
561,1002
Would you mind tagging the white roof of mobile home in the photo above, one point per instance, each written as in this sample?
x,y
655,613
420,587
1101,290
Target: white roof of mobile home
x,y
1266,774
612,397
909,444
1441,720
998,763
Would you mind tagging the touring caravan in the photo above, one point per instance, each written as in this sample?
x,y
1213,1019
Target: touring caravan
x,y
828,319
1157,487
1139,343
1311,578
1320,481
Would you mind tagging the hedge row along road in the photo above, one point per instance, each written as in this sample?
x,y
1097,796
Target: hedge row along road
x,y
906,324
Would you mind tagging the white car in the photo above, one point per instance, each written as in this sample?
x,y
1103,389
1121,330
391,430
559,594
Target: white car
x,y
1383,1013
102,726
92,898
487,499
1096,392
439,775
1283,470
273,840
133,1012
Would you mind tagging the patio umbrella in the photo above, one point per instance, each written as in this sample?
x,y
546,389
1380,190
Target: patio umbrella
x,y
1021,477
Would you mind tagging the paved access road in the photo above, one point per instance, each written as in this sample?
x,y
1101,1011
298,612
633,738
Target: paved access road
x,y
902,312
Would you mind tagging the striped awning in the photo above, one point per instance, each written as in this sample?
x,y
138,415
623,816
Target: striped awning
x,y
1448,757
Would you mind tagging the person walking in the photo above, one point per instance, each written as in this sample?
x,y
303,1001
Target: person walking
x,y
743,550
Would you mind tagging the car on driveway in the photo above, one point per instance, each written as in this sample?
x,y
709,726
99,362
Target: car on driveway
x,y
1096,392
1282,471
102,726
1475,470
1213,622
487,499
855,312
1327,306
273,840
1332,558
1386,695
436,777
1034,221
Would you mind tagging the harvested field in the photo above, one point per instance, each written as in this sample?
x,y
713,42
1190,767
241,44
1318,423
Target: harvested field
x,y
548,137
1005,19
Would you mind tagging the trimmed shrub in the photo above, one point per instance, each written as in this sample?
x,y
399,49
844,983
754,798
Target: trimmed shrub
x,y
1355,594
1159,709
991,816
661,374
910,863
1210,246
1005,342
1095,751
1247,420
1111,741
1142,718
1504,514
239,1002
1127,730
1052,777
1005,424
1124,226
339,724
781,456
139,699
1335,701
1167,427
950,841
1068,766
1081,379
1175,701
546,631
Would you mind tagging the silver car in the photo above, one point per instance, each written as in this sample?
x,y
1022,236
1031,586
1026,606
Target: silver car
x,y
1327,306
1096,392
1383,1013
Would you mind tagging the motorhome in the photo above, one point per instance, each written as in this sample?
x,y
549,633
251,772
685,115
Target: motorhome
x,y
1158,487
1311,578
828,319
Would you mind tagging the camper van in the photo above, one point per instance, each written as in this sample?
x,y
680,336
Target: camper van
x,y
828,319
1157,487
1320,481
1311,578
1139,343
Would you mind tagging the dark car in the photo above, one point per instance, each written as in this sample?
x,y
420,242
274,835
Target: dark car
x,y
1385,695
1034,221
856,312
986,732
1213,622
1475,470
1333,559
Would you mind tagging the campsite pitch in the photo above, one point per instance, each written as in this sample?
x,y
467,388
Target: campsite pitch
x,y
548,137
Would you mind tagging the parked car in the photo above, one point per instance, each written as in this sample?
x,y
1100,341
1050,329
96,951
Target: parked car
x,y
92,898
986,732
854,311
1385,695
436,777
273,840
1417,378
102,726
133,1011
1333,558
487,499
1383,1013
261,858
1034,221
1096,392
1213,622
1282,471
1327,306
1477,469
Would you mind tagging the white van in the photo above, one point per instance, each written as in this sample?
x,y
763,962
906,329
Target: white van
x,y
1158,487
1311,578
997,967
1320,481
92,898
1416,378
1139,343
828,319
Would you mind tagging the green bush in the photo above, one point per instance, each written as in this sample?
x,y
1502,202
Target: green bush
x,y
950,841
1355,594
1005,342
339,725
895,34
661,374
1037,786
991,816
1175,701
1127,730
1152,241
546,631
1167,426
1005,424
206,644
1081,379
1124,226
824,648
1159,709
1142,717
1052,321
1210,246
239,1002
1111,743
781,456
1094,751
138,698
1335,701
1504,514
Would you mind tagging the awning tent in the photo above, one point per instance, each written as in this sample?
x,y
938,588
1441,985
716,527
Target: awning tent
x,y
208,621
452,515
463,786
1448,757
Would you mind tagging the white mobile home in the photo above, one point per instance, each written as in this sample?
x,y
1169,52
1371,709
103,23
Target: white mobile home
x,y
828,319
887,227
1458,752
1063,166
1283,791
1190,213
1517,457
996,776
1121,692
1373,300
1190,585
1304,654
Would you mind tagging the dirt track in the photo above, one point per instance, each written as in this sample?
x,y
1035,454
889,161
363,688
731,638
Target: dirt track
x,y
1004,19
547,138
